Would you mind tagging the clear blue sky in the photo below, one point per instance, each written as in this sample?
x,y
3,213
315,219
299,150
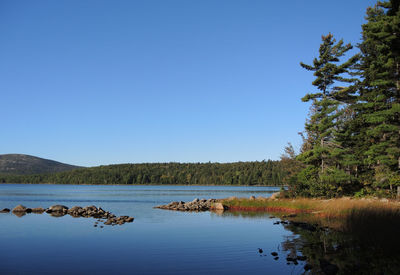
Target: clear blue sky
x,y
101,82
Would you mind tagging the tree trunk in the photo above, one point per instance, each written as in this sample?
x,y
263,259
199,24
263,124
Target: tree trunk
x,y
398,192
322,157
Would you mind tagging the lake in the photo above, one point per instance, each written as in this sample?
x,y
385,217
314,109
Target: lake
x,y
157,242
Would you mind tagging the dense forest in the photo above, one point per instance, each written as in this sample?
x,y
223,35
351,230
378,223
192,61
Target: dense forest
x,y
238,173
351,141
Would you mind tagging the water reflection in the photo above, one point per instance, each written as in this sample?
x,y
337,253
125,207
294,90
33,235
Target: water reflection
x,y
19,214
321,250
241,214
346,252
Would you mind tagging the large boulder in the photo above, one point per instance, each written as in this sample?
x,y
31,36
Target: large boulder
x,y
58,208
219,206
21,209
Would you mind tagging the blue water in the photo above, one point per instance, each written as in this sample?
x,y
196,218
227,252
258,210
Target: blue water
x,y
157,242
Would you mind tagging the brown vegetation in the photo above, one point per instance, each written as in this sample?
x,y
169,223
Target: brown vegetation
x,y
347,214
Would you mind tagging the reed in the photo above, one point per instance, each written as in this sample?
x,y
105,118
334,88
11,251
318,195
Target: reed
x,y
347,214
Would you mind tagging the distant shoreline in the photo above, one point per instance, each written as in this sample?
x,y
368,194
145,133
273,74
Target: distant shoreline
x,y
87,184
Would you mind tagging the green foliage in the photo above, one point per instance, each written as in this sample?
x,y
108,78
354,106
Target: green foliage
x,y
378,105
352,137
321,152
239,173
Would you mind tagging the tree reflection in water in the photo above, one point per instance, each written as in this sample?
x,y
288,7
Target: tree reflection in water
x,y
359,248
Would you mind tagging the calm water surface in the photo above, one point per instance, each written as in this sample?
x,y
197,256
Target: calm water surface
x,y
157,242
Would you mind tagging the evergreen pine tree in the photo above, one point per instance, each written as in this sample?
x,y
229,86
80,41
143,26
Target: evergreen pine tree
x,y
321,152
378,106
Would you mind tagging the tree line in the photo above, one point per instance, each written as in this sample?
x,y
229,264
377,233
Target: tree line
x,y
351,141
238,173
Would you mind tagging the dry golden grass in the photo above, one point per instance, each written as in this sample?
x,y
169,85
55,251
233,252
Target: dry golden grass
x,y
343,213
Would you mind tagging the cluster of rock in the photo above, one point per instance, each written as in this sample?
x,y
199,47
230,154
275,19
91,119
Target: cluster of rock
x,y
76,211
118,220
196,205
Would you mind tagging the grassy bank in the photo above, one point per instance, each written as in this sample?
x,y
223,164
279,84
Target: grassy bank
x,y
346,214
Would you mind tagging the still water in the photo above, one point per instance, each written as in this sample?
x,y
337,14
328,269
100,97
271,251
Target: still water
x,y
157,242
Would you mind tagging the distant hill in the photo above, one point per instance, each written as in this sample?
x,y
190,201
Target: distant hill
x,y
24,164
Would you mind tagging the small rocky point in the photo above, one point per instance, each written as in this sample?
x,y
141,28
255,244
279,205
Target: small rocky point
x,y
77,211
196,205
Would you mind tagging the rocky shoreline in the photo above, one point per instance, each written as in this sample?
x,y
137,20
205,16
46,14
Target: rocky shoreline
x,y
197,205
200,205
91,211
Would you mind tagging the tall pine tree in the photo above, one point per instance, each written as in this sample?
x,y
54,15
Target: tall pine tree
x,y
323,175
378,106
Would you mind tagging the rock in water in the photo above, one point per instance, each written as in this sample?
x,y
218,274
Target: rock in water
x,y
58,208
20,208
90,208
5,210
76,211
196,205
218,206
38,210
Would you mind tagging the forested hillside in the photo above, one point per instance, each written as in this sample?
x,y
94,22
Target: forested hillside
x,y
239,173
